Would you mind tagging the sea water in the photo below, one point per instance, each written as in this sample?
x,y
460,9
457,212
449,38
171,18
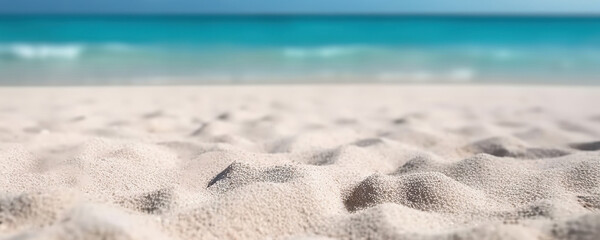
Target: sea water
x,y
190,49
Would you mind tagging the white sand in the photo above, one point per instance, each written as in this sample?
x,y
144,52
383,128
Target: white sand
x,y
300,162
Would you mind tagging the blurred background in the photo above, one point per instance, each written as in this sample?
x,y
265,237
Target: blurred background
x,y
95,42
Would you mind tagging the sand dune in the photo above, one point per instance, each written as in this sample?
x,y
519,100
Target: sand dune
x,y
300,162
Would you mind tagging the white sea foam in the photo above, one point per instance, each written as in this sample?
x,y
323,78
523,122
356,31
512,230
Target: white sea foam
x,y
42,51
410,76
461,74
464,74
321,52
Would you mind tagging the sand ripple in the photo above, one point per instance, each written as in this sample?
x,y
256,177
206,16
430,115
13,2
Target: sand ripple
x,y
328,162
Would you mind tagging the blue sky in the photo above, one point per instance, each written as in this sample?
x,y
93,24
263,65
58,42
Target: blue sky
x,y
300,6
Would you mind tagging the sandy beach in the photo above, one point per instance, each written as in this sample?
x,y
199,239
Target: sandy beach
x,y
300,162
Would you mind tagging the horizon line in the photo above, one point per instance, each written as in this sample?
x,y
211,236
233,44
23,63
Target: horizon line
x,y
300,14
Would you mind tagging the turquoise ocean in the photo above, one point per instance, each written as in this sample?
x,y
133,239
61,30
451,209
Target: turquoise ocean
x,y
190,49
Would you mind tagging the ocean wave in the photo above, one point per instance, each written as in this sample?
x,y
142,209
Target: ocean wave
x,y
42,51
71,51
321,52
464,74
118,47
